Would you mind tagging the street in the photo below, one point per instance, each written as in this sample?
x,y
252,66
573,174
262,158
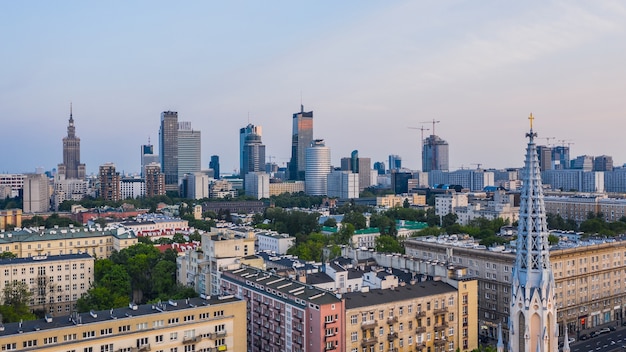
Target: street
x,y
611,341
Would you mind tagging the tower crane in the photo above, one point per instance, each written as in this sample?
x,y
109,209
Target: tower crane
x,y
433,122
421,129
548,140
477,165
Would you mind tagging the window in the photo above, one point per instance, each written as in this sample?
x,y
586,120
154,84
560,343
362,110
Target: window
x,y
354,337
49,340
88,334
173,336
69,337
190,348
218,313
171,321
142,341
106,348
29,343
9,346
123,328
108,331
353,318
158,338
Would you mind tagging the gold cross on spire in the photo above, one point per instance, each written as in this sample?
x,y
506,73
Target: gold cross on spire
x,y
531,118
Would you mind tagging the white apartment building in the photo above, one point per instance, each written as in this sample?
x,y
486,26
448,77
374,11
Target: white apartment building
x,y
257,185
36,193
343,184
446,203
275,242
132,187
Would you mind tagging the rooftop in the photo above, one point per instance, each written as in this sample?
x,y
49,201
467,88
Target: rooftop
x,y
400,293
44,258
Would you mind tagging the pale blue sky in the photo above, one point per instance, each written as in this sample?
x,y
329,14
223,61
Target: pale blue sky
x,y
368,69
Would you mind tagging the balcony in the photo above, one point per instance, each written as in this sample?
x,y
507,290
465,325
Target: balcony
x,y
215,335
370,341
330,348
393,349
420,314
370,324
420,346
392,320
189,339
420,330
326,322
440,342
441,327
441,310
392,336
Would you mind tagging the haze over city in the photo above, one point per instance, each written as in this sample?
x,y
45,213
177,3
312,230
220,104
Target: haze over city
x,y
367,69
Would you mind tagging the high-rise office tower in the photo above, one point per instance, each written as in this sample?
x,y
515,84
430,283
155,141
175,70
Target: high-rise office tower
x,y
545,157
155,180
395,163
582,162
560,157
435,154
379,166
168,149
359,166
301,139
147,157
214,164
71,167
189,149
110,188
603,163
532,319
36,193
253,155
317,168
243,133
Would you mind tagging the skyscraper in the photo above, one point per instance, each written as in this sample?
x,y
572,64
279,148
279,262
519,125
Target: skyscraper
x,y
189,149
379,166
435,154
110,188
317,168
71,167
147,157
532,321
545,157
168,149
214,164
357,165
253,155
395,162
301,139
243,133
560,157
36,193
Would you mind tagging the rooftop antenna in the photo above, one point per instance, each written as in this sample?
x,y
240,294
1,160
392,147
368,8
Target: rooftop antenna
x,y
301,105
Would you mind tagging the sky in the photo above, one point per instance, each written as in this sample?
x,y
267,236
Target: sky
x,y
368,70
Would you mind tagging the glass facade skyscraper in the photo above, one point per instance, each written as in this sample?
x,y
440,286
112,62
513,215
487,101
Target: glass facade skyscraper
x,y
301,139
168,149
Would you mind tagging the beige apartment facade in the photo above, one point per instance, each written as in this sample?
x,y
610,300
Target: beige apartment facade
x,y
425,316
198,325
590,281
60,241
55,282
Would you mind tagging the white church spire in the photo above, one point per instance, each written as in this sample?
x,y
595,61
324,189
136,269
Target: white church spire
x,y
532,322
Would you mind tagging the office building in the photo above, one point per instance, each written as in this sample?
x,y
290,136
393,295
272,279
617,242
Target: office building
x,y
544,154
395,163
168,149
583,162
285,314
257,185
56,281
193,324
36,193
110,187
317,168
400,181
71,167
147,157
189,149
574,180
68,189
560,157
11,184
214,165
343,184
155,180
277,188
301,139
379,166
243,134
435,154
603,163
197,185
253,155
360,166
132,187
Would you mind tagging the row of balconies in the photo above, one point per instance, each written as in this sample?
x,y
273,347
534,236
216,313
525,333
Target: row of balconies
x,y
369,341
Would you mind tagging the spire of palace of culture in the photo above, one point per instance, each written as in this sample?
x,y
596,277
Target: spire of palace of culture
x,y
71,167
532,321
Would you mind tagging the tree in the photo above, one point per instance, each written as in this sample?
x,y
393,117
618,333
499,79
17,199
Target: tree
x,y
449,219
356,219
552,239
7,255
15,298
330,222
388,244
406,203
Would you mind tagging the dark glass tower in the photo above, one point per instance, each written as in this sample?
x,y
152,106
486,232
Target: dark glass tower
x,y
253,155
435,154
301,139
168,145
71,167
215,165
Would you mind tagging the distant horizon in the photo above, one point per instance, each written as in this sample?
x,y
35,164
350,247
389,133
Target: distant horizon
x,y
370,71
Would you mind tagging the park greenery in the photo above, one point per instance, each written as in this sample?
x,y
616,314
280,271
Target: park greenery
x,y
15,299
138,274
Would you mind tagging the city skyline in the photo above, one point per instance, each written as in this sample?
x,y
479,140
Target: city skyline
x,y
369,68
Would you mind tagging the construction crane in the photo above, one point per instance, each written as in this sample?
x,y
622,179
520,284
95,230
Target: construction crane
x,y
433,122
477,165
547,140
421,129
566,141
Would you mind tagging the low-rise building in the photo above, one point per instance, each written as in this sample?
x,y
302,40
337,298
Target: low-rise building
x,y
194,324
278,188
273,241
56,281
10,218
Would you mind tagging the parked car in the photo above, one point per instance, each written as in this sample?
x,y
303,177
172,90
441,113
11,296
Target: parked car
x,y
584,337
571,339
604,330
612,328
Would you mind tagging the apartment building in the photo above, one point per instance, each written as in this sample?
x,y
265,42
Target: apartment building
x,y
590,279
273,241
579,206
56,282
194,324
424,316
287,315
34,242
